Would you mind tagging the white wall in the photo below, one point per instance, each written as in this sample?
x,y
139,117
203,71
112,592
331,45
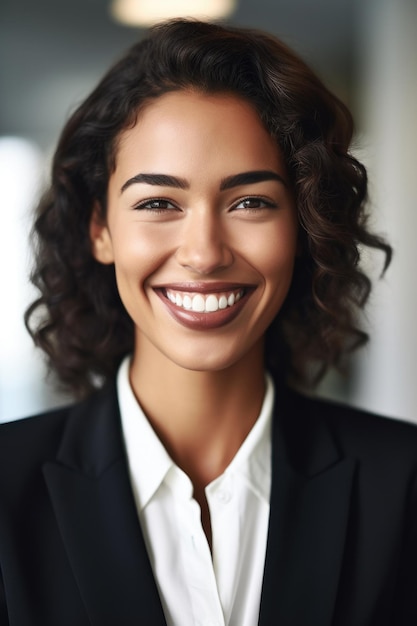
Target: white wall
x,y
23,388
386,380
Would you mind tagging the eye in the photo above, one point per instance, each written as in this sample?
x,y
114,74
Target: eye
x,y
156,205
254,203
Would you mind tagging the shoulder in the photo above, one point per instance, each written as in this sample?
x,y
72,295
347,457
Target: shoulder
x,y
29,442
355,431
25,445
346,417
44,427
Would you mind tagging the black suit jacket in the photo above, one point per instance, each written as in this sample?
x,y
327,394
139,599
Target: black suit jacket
x,y
342,543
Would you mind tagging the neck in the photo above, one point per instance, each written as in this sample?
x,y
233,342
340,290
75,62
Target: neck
x,y
202,418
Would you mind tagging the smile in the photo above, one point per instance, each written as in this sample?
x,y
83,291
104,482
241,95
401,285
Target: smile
x,y
203,306
204,303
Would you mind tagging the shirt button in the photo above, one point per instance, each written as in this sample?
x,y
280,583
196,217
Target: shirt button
x,y
224,496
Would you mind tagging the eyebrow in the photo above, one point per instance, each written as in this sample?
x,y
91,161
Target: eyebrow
x,y
236,180
249,178
159,180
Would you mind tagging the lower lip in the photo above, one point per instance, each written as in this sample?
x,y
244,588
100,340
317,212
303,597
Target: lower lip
x,y
204,321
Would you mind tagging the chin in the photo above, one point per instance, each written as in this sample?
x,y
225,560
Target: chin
x,y
205,365
214,361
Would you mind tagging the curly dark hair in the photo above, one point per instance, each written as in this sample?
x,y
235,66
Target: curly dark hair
x,y
79,320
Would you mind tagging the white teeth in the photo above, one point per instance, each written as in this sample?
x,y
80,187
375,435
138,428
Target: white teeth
x,y
187,303
222,302
200,304
212,304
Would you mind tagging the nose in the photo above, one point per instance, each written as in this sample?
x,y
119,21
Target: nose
x,y
204,246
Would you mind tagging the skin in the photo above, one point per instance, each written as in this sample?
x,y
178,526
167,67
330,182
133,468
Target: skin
x,y
200,235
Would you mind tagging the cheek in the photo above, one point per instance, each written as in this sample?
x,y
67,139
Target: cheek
x,y
276,254
138,250
278,274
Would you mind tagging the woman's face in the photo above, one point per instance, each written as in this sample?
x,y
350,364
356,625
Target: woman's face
x,y
202,229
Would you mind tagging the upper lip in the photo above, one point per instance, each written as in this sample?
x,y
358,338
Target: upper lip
x,y
204,287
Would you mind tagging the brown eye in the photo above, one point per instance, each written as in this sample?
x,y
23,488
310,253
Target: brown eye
x,y
254,203
155,204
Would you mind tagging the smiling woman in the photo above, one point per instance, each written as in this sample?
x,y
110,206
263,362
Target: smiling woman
x,y
197,255
217,217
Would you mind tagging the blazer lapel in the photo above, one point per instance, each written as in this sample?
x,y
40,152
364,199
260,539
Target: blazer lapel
x,y
90,492
310,500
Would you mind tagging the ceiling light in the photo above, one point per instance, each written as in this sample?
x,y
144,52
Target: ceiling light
x,y
148,12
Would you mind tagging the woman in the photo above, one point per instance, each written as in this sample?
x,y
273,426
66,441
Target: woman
x,y
197,251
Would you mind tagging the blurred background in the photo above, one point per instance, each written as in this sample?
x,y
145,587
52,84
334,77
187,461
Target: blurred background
x,y
53,52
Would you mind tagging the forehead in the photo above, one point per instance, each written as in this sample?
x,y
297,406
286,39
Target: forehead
x,y
182,127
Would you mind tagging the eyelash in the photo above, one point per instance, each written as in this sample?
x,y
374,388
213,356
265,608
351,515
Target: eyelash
x,y
144,205
268,204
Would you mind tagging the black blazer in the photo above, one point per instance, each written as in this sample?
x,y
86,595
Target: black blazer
x,y
342,543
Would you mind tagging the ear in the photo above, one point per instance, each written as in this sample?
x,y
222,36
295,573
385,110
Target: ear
x,y
101,243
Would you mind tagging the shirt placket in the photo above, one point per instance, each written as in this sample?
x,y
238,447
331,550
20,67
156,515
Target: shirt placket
x,y
197,563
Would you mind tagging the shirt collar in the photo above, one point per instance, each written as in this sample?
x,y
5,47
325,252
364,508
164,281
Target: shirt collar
x,y
149,462
253,459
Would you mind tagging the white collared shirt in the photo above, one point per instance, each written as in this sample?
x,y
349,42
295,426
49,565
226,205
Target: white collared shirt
x,y
199,588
